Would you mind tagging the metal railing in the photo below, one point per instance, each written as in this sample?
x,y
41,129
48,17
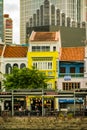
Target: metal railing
x,y
76,75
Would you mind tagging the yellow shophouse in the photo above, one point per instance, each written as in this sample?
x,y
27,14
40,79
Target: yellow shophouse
x,y
43,54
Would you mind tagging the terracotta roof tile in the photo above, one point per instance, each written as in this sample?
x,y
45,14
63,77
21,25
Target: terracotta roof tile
x,y
72,54
44,36
15,51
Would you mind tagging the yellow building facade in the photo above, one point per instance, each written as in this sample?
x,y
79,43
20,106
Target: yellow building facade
x,y
47,62
43,54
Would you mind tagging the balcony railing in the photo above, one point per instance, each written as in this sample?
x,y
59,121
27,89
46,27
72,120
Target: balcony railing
x,y
76,75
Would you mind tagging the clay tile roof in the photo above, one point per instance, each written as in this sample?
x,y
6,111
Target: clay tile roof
x,y
15,52
44,36
72,54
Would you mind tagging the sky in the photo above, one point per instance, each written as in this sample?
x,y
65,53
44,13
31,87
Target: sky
x,y
12,7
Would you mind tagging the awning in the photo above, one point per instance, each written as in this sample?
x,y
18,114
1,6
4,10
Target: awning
x,y
70,100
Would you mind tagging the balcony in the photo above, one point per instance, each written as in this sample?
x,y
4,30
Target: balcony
x,y
73,75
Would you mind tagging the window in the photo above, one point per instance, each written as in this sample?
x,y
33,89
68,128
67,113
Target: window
x,y
47,48
39,65
40,48
42,65
71,85
22,65
81,70
33,48
35,65
46,12
54,48
58,16
62,69
63,19
72,70
8,68
49,65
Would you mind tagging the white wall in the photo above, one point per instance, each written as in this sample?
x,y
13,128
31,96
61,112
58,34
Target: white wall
x,y
61,80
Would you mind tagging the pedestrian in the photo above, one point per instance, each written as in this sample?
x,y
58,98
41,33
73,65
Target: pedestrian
x,y
20,111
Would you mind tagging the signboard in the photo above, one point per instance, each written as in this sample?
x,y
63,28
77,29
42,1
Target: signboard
x,y
67,78
79,100
51,93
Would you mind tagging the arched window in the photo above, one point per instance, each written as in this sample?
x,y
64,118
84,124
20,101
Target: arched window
x,y
15,65
8,68
22,65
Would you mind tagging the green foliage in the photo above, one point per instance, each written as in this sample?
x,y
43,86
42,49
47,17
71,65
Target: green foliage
x,y
25,79
70,115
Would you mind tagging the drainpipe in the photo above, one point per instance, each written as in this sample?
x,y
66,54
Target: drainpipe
x,y
42,102
12,104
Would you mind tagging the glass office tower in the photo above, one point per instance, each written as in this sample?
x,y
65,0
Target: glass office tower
x,y
46,12
1,20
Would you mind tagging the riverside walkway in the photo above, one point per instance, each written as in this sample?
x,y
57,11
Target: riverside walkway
x,y
44,123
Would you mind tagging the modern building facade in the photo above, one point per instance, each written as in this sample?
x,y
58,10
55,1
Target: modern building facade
x,y
84,11
49,9
48,12
1,21
24,18
8,29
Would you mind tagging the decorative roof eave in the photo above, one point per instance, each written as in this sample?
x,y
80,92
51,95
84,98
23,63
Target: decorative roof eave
x,y
44,41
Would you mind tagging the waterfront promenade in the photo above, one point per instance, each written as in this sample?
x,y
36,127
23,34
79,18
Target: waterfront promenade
x,y
37,123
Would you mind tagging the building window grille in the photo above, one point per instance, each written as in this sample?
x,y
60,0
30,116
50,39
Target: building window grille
x,y
70,86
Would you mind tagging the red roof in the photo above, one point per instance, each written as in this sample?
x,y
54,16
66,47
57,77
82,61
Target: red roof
x,y
72,54
15,52
44,36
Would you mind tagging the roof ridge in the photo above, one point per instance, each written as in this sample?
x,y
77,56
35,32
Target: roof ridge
x,y
3,51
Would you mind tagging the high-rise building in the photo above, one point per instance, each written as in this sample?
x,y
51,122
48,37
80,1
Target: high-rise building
x,y
47,12
84,11
8,29
24,18
1,20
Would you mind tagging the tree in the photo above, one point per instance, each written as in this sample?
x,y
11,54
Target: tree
x,y
25,79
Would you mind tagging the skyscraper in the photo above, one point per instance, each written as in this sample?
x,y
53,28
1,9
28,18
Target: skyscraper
x,y
84,11
8,29
46,12
1,19
24,18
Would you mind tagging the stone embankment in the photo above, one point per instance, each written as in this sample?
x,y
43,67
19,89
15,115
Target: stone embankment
x,y
37,123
